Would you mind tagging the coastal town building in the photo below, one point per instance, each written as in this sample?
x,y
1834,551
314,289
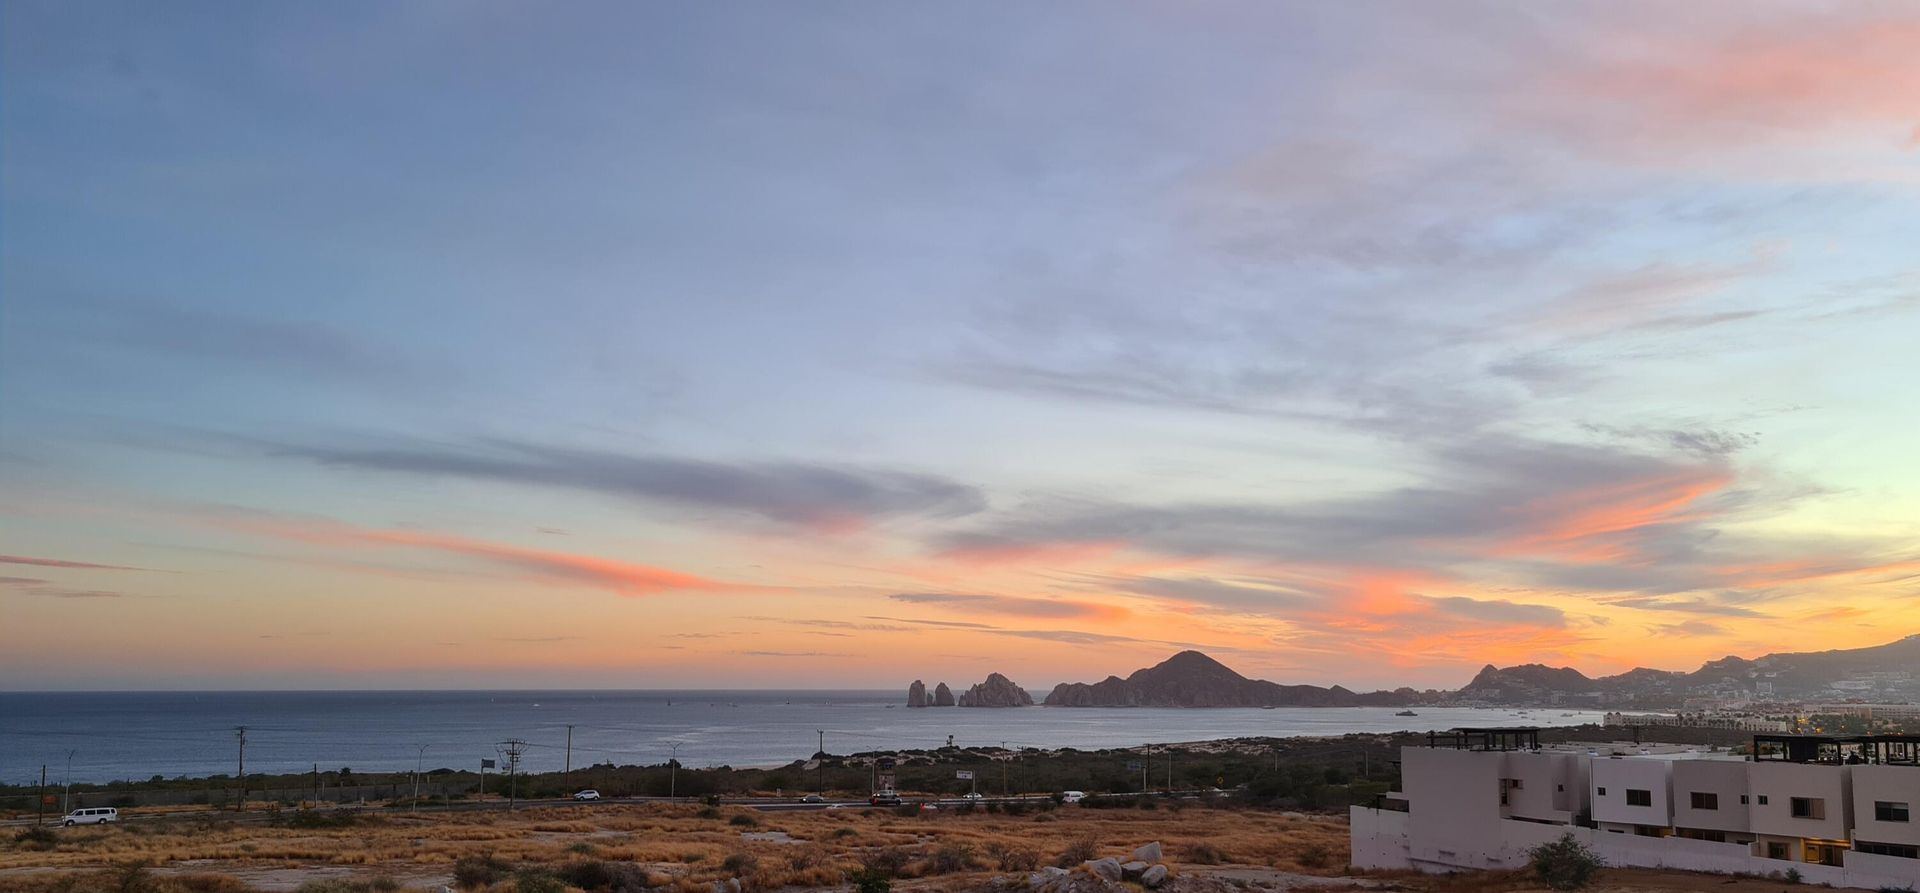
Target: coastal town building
x,y
1742,722
1836,809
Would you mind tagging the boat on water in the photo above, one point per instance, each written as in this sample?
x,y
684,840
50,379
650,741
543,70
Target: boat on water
x,y
1406,713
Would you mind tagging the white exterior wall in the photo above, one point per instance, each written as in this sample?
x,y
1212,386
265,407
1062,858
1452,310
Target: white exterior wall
x,y
1461,788
1779,782
1553,786
1616,775
1890,783
1725,778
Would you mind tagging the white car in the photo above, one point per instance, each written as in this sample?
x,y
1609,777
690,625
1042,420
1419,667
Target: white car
x,y
588,794
1072,796
973,795
96,816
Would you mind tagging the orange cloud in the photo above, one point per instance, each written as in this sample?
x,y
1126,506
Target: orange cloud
x,y
625,578
1583,525
1805,78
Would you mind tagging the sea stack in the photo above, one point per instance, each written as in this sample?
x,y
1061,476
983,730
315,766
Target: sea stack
x,y
997,691
917,694
942,695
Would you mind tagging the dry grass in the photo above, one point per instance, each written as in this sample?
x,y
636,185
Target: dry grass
x,y
680,846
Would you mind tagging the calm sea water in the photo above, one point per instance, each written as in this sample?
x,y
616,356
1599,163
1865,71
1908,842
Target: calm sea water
x,y
115,735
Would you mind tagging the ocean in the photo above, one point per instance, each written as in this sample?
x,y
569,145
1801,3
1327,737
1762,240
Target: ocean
x,y
136,735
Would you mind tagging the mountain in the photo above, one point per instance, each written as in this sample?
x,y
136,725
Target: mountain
x,y
1889,672
942,696
917,694
1192,679
997,691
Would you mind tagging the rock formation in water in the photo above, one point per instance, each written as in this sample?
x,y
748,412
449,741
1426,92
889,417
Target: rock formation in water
x,y
917,694
942,695
997,691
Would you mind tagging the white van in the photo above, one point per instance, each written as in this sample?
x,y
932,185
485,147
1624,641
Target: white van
x,y
96,816
1072,796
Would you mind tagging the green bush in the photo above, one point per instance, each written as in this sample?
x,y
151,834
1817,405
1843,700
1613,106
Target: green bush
x,y
1205,854
1565,864
534,880
866,880
1008,858
744,820
738,864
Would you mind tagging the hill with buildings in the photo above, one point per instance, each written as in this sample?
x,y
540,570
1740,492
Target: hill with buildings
x,y
1877,673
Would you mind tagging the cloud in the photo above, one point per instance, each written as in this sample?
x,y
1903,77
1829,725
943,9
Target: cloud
x,y
624,578
537,639
1012,606
55,562
815,496
791,654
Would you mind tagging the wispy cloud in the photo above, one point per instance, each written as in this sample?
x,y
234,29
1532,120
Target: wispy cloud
x,y
57,562
818,496
1012,605
622,577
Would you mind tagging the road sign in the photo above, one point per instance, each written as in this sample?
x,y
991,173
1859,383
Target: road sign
x,y
486,764
964,775
1133,766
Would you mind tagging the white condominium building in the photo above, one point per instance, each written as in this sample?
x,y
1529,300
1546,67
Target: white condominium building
x,y
1836,809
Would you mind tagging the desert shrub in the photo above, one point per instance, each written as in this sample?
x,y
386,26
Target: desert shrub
x,y
807,857
1565,864
866,880
1009,858
308,818
708,812
582,848
843,833
952,857
1079,851
36,838
478,872
887,861
1315,856
534,880
711,799
1793,876
1205,854
738,864
744,820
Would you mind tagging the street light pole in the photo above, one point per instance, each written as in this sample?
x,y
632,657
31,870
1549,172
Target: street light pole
x,y
418,759
66,790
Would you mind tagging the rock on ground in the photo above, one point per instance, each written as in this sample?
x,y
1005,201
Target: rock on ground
x,y
1149,854
1107,869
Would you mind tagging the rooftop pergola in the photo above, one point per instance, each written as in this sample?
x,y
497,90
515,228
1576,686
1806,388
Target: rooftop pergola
x,y
1510,738
1879,750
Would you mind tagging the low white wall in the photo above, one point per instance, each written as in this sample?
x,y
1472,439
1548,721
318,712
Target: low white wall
x,y
1380,840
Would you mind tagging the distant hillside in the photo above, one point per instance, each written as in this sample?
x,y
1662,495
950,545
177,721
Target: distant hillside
x,y
1880,672
1192,679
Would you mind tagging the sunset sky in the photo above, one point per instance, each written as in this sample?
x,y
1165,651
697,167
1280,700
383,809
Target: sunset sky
x,y
367,345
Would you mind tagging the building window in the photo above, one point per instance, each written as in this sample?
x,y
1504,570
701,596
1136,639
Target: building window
x,y
1763,799
1889,849
1602,793
1889,811
1776,850
1743,800
1808,808
1637,797
1705,800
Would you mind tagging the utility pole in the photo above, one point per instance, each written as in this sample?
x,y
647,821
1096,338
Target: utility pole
x,y
820,761
1006,758
41,818
569,770
515,747
673,771
67,789
418,758
1169,770
241,733
316,786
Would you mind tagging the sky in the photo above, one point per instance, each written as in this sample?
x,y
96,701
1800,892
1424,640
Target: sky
x,y
838,345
